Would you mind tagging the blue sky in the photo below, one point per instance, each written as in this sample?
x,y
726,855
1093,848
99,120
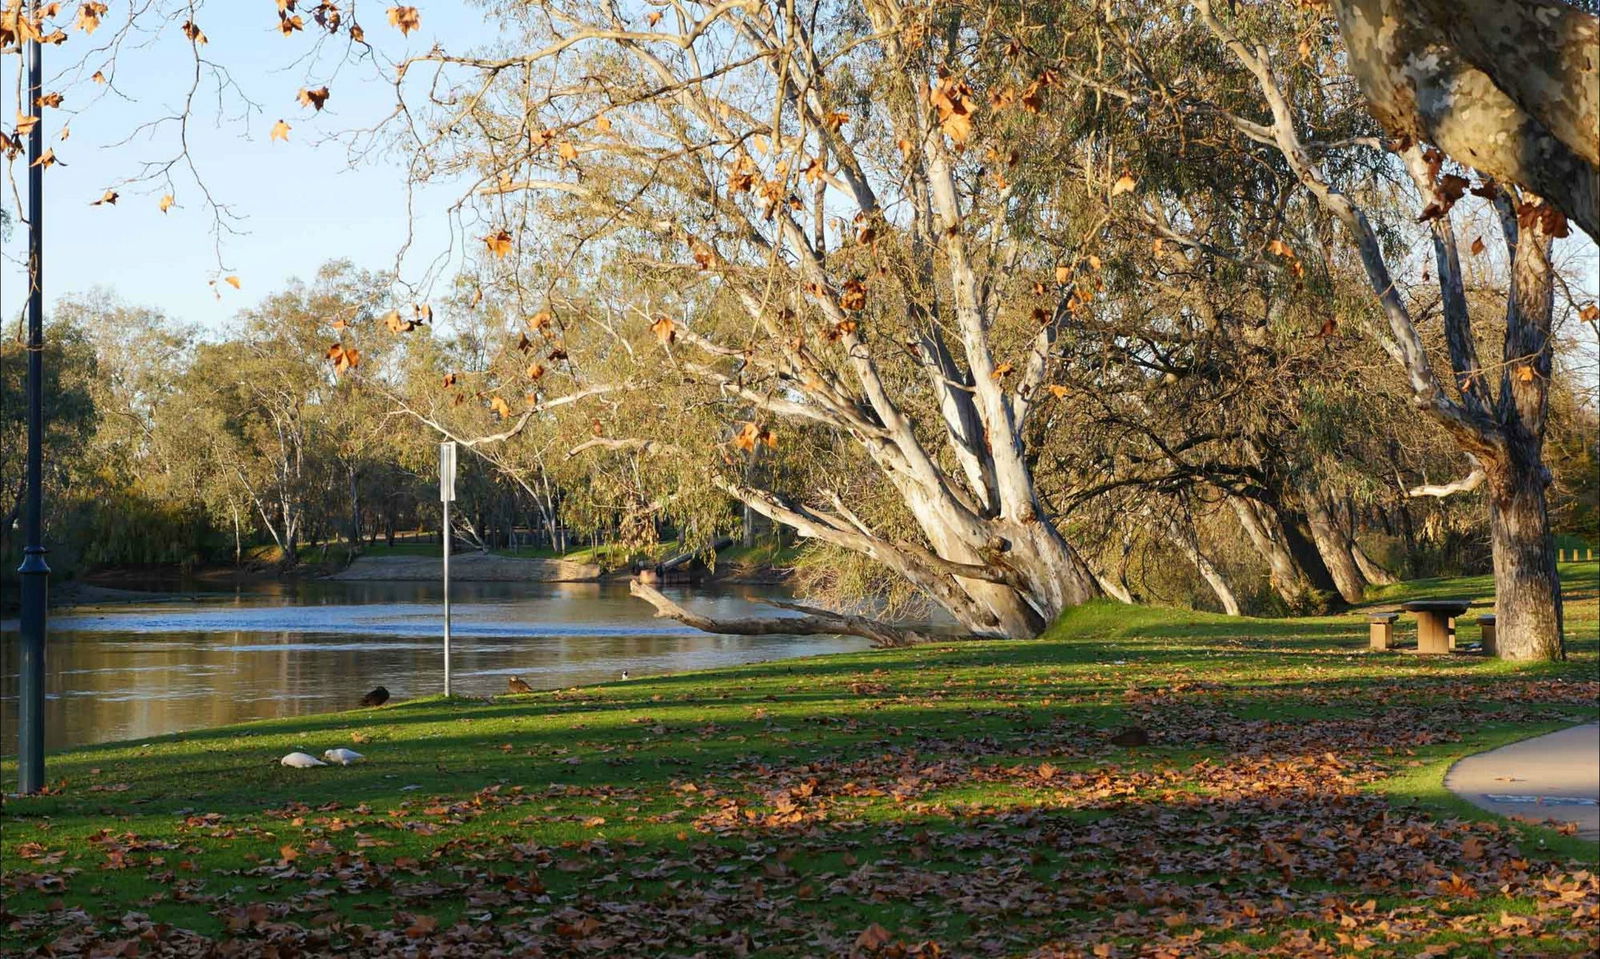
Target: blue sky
x,y
301,202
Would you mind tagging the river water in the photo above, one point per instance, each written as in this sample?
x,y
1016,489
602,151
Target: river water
x,y
282,649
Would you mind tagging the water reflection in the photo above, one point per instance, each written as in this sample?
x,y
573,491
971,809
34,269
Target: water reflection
x,y
131,672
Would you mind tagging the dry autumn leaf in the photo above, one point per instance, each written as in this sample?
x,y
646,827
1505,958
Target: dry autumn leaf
x,y
193,33
89,14
109,199
1124,184
166,203
232,281
313,98
1477,246
406,19
665,329
499,243
501,407
280,131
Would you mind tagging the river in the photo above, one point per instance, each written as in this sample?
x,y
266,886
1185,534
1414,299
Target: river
x,y
132,671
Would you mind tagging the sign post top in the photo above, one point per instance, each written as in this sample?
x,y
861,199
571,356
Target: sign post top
x,y
447,472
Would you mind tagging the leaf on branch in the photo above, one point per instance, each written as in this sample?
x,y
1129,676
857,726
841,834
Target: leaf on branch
x,y
46,159
193,33
89,15
288,24
1446,191
280,131
397,323
541,321
357,34
499,243
523,343
406,18
98,77
166,203
1329,327
340,324
752,435
567,151
232,281
535,371
110,199
1477,246
1124,184
853,296
50,100
703,256
840,330
343,358
313,98
449,380
1280,248
1059,391
501,407
953,102
653,18
1589,313
665,329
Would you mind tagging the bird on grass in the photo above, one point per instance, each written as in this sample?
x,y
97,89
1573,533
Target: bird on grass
x,y
1132,736
624,674
517,684
377,697
301,761
343,757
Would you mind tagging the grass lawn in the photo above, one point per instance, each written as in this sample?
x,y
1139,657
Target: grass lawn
x,y
950,799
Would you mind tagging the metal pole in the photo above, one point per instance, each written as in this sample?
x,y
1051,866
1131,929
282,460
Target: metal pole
x,y
447,597
35,572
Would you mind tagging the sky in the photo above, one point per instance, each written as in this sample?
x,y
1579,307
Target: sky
x,y
300,201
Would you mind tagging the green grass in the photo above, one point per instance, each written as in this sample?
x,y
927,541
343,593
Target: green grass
x,y
958,793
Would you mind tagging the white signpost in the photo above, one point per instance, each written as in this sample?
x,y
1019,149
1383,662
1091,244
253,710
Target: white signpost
x,y
447,495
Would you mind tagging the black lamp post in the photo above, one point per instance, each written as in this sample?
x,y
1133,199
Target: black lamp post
x,y
35,572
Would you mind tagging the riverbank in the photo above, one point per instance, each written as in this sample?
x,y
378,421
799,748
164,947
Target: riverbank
x,y
1290,802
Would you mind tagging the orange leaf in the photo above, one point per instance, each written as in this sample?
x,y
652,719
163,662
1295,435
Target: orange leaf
x,y
406,18
280,131
1124,184
193,33
166,203
665,330
499,243
232,281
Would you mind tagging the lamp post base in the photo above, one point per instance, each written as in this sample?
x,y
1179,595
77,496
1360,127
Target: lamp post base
x,y
35,576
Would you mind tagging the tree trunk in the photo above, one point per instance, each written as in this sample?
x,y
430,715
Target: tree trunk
x,y
1190,547
1374,571
1527,604
1519,120
1334,547
1286,553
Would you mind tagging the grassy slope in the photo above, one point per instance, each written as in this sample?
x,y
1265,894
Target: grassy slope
x,y
959,793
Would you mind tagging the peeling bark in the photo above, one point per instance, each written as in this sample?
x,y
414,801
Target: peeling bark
x,y
1507,88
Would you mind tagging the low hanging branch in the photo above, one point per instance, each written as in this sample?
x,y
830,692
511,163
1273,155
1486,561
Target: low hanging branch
x,y
812,622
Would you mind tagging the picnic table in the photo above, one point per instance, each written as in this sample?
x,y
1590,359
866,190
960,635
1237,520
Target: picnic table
x,y
1435,622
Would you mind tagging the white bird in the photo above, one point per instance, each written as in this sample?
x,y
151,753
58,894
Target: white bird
x,y
301,761
624,674
343,757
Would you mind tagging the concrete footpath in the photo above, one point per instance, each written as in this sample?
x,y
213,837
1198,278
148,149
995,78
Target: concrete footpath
x,y
1555,776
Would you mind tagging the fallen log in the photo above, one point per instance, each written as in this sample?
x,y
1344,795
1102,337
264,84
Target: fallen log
x,y
810,622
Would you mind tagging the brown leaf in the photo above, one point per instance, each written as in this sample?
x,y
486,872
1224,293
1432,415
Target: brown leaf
x,y
499,243
406,18
1124,184
314,98
500,406
1477,246
193,33
109,199
665,329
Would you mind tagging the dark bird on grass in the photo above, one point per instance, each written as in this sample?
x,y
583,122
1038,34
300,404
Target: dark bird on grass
x,y
377,697
1132,736
517,684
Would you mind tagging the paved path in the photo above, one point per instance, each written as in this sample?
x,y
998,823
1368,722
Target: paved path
x,y
1555,776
